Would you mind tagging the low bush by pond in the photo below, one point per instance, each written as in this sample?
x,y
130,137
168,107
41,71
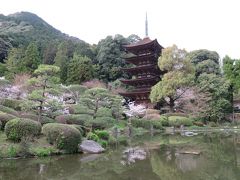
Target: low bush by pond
x,y
18,128
64,137
177,121
147,124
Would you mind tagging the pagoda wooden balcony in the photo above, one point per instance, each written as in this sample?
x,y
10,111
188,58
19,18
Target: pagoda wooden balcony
x,y
147,81
150,58
151,69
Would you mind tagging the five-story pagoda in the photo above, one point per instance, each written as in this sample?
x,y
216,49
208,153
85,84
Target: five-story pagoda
x,y
145,72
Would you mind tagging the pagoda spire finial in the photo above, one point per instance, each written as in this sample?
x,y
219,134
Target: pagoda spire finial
x,y
146,26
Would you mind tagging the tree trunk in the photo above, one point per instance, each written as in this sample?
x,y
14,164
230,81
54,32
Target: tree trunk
x,y
171,104
96,108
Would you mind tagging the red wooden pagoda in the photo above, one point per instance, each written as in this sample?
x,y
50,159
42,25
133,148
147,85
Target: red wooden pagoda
x,y
145,72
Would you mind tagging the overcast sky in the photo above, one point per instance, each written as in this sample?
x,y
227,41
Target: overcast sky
x,y
190,24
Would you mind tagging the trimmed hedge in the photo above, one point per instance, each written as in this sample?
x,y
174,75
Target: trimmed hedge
x,y
156,124
17,128
79,128
78,119
12,103
177,121
176,114
104,112
64,137
44,119
4,118
100,122
80,109
8,110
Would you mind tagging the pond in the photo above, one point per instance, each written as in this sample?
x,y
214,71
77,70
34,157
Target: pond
x,y
211,156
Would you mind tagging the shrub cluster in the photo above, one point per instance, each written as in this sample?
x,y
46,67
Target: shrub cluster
x,y
64,137
18,128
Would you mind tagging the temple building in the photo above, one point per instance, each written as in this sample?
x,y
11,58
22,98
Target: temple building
x,y
145,71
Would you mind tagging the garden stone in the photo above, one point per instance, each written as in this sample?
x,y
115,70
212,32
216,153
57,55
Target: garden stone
x,y
90,146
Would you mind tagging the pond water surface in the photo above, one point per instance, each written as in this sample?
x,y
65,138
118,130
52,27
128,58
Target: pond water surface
x,y
212,156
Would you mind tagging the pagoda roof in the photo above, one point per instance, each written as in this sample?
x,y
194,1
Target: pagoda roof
x,y
149,80
143,44
144,68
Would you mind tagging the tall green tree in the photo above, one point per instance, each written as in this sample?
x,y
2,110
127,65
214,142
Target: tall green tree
x,y
179,76
31,58
205,61
61,60
14,62
109,57
80,69
219,90
231,68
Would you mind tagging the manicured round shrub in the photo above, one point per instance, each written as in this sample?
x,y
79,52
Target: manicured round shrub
x,y
79,128
78,119
156,124
17,128
104,112
144,123
176,114
164,121
8,110
63,136
212,124
177,121
12,103
80,109
100,122
46,120
43,120
4,118
29,116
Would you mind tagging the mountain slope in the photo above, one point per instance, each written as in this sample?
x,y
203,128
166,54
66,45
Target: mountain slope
x,y
20,29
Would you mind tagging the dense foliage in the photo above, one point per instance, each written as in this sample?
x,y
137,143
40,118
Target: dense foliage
x,y
178,78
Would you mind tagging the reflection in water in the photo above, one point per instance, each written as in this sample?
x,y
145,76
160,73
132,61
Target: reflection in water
x,y
219,160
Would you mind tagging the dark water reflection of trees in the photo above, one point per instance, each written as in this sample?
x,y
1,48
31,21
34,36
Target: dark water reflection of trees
x,y
219,160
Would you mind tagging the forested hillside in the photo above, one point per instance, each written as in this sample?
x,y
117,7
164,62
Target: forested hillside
x,y
26,41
